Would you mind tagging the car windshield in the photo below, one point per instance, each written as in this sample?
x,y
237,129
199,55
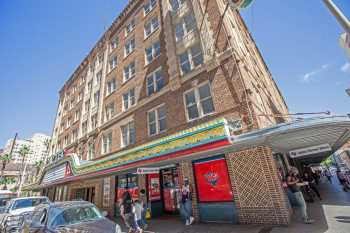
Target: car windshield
x,y
73,215
24,203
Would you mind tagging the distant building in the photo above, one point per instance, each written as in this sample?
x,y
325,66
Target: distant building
x,y
38,150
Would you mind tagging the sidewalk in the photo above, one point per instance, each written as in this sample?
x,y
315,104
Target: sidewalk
x,y
331,215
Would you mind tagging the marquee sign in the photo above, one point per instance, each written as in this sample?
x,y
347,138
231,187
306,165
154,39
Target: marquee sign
x,y
310,150
239,4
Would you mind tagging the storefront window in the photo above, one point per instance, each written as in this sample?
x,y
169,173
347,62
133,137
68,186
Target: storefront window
x,y
212,180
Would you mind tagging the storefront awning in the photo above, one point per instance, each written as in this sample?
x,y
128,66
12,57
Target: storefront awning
x,y
309,140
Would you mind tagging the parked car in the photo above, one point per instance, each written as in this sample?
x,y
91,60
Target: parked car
x,y
12,217
69,216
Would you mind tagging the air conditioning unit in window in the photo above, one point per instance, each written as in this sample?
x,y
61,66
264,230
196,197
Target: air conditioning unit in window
x,y
239,4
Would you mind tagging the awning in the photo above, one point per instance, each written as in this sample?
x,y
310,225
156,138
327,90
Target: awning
x,y
309,140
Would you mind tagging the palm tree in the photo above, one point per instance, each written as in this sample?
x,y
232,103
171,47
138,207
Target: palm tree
x,y
38,165
24,151
5,180
5,159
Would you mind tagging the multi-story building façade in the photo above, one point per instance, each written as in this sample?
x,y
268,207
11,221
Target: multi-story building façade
x,y
163,89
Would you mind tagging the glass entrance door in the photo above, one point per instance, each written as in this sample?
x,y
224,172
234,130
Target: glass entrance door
x,y
170,187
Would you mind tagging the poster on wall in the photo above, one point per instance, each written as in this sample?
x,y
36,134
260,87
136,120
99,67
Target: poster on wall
x,y
106,191
154,187
213,182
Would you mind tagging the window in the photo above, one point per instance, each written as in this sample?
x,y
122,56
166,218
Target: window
x,y
65,142
199,102
129,99
155,82
148,7
71,104
94,121
151,26
114,43
91,150
77,115
89,86
80,96
87,105
128,134
62,127
152,52
69,122
98,77
111,86
110,110
129,47
191,59
106,143
186,25
84,128
176,4
129,71
113,63
130,27
100,59
75,134
96,98
156,120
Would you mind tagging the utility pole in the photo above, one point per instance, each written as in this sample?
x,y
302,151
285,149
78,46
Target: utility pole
x,y
338,14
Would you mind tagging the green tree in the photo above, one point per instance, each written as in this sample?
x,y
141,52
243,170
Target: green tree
x,y
38,165
5,180
5,159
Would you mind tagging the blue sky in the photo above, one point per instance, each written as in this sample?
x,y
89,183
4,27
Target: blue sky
x,y
42,42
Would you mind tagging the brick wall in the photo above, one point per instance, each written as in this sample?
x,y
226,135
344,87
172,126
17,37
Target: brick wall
x,y
258,194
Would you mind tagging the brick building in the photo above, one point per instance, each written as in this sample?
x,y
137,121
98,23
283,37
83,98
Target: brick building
x,y
165,88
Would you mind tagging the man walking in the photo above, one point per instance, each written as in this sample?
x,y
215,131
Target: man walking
x,y
294,186
186,201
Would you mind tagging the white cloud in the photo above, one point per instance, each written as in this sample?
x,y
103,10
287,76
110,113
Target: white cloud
x,y
310,75
346,68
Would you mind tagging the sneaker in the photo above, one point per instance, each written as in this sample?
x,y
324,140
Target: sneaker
x,y
191,220
187,223
308,221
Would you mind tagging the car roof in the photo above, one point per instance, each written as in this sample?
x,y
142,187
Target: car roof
x,y
24,198
65,204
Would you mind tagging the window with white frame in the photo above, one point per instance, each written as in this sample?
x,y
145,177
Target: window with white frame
x,y
156,120
151,26
84,127
106,143
75,134
128,134
184,27
191,58
96,98
77,115
94,121
129,99
87,105
176,4
91,151
129,47
152,52
113,62
149,6
109,110
129,71
114,43
100,59
111,86
98,77
62,127
155,81
199,102
130,27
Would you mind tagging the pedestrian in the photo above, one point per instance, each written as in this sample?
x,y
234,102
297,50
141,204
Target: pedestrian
x,y
342,180
316,176
137,211
186,201
312,184
328,175
127,213
294,186
144,203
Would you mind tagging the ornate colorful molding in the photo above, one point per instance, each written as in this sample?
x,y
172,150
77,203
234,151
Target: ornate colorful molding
x,y
177,144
